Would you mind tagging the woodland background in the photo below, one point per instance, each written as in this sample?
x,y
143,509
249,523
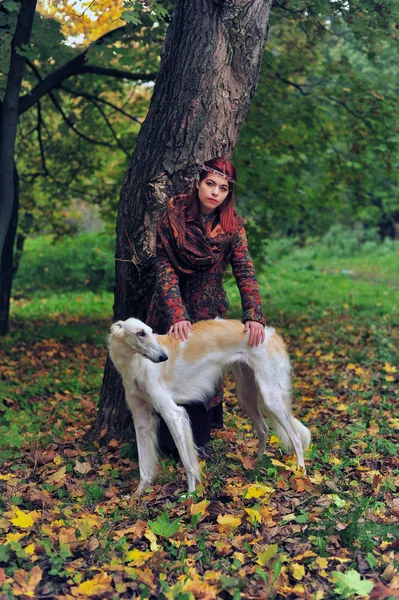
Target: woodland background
x,y
318,187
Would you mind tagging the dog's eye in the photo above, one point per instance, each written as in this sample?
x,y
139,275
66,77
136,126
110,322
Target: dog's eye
x,y
141,333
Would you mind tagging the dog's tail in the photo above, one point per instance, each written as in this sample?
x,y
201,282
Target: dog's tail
x,y
299,427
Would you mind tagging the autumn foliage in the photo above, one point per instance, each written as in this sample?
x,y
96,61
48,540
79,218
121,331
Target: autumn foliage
x,y
72,527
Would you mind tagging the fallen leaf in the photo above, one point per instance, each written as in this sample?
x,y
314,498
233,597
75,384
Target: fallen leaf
x,y
24,519
25,582
82,467
228,523
298,571
100,584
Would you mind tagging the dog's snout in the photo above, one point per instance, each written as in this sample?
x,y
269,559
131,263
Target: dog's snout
x,y
163,357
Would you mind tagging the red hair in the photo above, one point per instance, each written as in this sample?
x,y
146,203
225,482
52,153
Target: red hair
x,y
226,211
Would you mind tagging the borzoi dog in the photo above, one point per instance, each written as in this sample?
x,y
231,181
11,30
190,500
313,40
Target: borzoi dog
x,y
160,373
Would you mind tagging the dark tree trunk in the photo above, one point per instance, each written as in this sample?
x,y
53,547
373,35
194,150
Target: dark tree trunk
x,y
8,130
208,75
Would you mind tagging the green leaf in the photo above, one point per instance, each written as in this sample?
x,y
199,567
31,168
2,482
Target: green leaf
x,y
163,526
11,6
131,17
4,553
349,583
25,50
302,517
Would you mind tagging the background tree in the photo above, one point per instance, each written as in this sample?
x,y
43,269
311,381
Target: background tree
x,y
320,143
207,77
18,49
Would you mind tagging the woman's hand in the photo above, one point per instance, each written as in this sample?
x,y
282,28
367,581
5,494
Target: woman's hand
x,y
256,332
180,330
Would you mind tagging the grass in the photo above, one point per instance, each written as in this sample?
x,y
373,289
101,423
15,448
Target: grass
x,y
81,533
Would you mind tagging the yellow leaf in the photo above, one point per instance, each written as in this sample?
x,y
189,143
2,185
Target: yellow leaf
x,y
152,538
333,460
213,576
58,476
350,367
228,523
30,549
257,491
24,519
239,556
253,516
262,558
100,584
277,463
389,378
321,562
58,460
317,478
15,537
389,368
87,524
7,477
306,554
137,557
298,571
342,407
274,440
200,507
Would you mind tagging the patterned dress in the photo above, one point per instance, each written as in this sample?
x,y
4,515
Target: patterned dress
x,y
191,258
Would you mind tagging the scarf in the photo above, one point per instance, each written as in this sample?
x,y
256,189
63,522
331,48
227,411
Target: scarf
x,y
189,248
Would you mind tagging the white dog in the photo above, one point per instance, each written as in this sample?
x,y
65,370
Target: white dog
x,y
160,373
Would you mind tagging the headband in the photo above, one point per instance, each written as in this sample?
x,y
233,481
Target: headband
x,y
216,172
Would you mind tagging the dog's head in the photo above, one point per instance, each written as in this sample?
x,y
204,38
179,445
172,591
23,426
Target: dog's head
x,y
138,337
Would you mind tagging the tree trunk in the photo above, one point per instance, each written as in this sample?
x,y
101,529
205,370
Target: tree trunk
x,y
208,75
8,130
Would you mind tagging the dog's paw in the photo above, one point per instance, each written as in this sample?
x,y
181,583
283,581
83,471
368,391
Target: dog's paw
x,y
143,486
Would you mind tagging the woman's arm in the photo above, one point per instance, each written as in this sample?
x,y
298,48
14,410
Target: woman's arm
x,y
247,283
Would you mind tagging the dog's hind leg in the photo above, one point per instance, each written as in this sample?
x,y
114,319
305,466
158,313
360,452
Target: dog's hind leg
x,y
178,422
247,395
279,411
145,425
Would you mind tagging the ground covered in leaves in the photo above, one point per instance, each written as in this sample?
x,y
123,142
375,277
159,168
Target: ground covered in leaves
x,y
71,528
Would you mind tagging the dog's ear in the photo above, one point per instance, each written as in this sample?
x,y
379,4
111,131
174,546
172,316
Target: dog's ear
x,y
117,330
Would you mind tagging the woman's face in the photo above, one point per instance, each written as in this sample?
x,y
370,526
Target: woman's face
x,y
212,192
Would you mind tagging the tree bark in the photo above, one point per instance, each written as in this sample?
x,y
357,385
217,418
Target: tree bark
x,y
208,74
8,130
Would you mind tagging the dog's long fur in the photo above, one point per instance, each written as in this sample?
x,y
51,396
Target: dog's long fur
x,y
160,373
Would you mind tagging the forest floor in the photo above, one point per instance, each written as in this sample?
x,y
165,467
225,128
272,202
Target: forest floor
x,y
71,528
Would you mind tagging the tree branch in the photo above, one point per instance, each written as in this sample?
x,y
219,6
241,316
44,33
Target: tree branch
x,y
65,117
98,99
109,124
287,81
118,73
352,112
78,66
39,137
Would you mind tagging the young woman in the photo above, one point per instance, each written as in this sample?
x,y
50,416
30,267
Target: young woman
x,y
198,236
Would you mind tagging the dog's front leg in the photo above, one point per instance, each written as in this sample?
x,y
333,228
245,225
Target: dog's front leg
x,y
178,422
145,425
